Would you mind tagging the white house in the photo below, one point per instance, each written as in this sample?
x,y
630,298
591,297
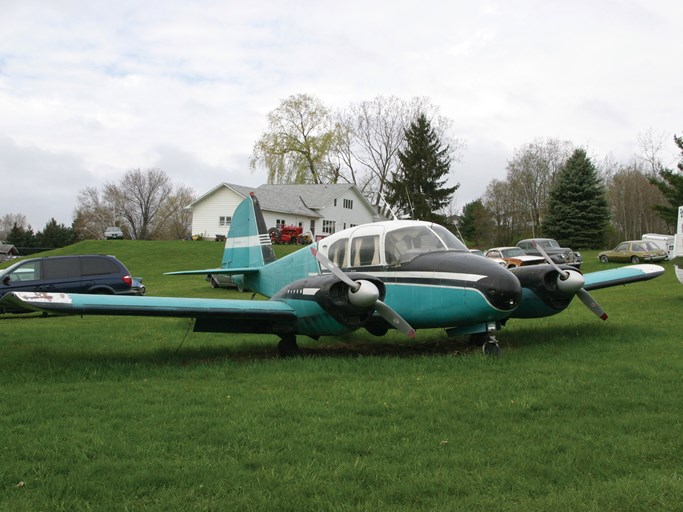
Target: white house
x,y
320,209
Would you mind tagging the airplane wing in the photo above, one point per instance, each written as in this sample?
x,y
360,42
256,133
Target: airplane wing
x,y
622,275
213,315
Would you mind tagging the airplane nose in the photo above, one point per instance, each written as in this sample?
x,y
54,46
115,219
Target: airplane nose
x,y
501,288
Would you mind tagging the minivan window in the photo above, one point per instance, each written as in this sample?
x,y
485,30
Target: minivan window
x,y
30,271
62,268
93,266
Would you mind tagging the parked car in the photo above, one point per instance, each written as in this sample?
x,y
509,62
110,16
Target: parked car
x,y
113,233
633,251
85,273
560,255
226,281
479,252
513,257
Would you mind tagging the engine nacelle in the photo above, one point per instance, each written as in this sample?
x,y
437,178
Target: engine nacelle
x,y
352,309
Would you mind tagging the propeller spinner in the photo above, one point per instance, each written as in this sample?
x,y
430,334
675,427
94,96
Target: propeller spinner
x,y
364,294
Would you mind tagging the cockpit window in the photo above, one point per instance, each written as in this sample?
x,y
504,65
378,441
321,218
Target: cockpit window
x,y
452,242
403,245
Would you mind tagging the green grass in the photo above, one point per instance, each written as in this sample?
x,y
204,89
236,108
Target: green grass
x,y
103,413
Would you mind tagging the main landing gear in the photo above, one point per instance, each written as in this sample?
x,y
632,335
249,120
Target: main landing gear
x,y
287,346
488,342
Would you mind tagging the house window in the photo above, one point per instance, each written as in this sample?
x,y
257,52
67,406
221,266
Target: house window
x,y
279,223
313,227
224,221
328,226
348,204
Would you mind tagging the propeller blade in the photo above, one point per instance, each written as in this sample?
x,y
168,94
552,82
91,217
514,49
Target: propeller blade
x,y
563,273
394,319
327,263
591,304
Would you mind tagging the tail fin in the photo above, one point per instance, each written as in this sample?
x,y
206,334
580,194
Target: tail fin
x,y
248,242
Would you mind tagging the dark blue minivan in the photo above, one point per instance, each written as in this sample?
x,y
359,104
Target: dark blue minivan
x,y
85,273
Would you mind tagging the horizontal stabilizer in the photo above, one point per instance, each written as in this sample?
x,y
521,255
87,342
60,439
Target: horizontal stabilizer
x,y
230,271
621,275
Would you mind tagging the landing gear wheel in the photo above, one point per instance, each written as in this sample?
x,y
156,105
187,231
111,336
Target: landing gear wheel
x,y
491,347
287,346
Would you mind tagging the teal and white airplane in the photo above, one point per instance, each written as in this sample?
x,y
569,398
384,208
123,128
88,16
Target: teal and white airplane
x,y
397,274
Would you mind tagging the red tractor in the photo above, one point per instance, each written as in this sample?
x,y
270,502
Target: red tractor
x,y
289,235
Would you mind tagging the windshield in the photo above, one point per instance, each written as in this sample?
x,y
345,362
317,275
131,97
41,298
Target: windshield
x,y
512,253
650,246
402,245
451,241
552,244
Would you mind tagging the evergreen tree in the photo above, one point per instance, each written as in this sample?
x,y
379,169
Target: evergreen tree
x,y
670,183
54,235
417,187
471,222
578,215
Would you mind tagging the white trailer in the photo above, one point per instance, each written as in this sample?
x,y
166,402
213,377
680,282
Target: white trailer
x,y
665,242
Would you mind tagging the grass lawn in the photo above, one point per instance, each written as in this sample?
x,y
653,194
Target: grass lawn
x,y
109,413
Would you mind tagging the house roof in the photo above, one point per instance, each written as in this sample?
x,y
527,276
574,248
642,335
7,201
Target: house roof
x,y
297,199
8,249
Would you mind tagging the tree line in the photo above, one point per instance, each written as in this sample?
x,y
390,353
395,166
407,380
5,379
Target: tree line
x,y
145,204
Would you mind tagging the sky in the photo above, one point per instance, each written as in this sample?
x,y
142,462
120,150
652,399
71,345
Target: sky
x,y
90,90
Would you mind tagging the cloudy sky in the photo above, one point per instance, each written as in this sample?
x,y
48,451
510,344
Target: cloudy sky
x,y
89,90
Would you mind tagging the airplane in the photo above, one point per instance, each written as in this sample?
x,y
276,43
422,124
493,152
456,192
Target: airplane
x,y
398,274
678,247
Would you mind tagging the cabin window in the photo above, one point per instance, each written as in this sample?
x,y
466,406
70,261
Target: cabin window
x,y
337,252
365,251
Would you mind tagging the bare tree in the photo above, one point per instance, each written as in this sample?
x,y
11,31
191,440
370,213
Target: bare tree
x,y
178,220
9,220
373,133
631,198
139,196
94,213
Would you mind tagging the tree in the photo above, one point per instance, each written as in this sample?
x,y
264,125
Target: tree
x,y
475,223
578,215
297,145
670,183
8,221
54,235
531,174
371,136
631,199
417,187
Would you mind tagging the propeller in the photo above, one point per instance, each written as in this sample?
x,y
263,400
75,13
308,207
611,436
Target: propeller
x,y
364,294
571,281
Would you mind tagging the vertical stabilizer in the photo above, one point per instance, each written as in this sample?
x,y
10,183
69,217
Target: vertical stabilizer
x,y
678,246
248,243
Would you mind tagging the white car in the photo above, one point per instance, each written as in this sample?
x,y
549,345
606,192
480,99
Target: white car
x,y
113,233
